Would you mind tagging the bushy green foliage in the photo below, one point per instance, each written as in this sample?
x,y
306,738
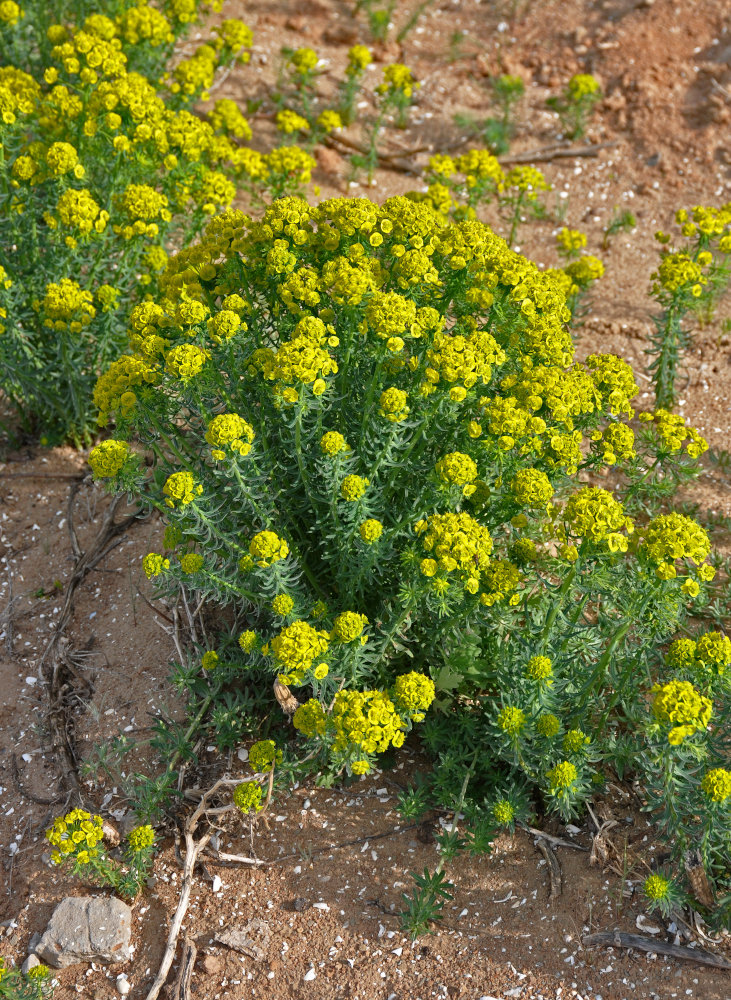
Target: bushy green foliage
x,y
103,164
36,984
371,438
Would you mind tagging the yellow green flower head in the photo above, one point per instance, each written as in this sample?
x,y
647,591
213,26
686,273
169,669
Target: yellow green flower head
x,y
413,692
531,488
539,668
310,718
714,649
562,776
141,838
359,57
674,536
108,296
353,488
615,382
656,887
66,305
282,605
304,60
227,118
511,720
594,513
78,210
247,640
247,796
570,240
716,784
678,273
503,812
585,270
457,541
61,157
548,725
181,489
677,704
398,77
145,24
210,659
186,361
329,120
392,405
526,178
263,754
366,721
370,530
290,161
107,458
459,469
297,646
348,626
681,654
360,767
575,741
442,165
233,34
290,122
10,13
389,314
464,359
617,443
75,835
37,973
498,580
154,564
672,431
583,85
191,562
232,431
267,547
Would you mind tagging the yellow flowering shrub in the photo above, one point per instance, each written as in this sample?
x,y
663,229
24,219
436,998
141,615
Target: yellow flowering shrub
x,y
388,468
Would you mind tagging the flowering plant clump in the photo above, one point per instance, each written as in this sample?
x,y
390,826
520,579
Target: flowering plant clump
x,y
103,166
38,982
574,105
78,841
420,444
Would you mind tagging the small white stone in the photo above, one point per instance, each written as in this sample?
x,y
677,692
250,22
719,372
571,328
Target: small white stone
x,y
217,883
309,976
123,985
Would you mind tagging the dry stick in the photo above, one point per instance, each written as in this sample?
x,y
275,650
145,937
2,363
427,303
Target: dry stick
x,y
554,869
56,656
193,850
615,939
181,987
43,475
550,838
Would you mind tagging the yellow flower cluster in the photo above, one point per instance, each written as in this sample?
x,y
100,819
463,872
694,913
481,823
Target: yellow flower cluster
x,y
677,704
304,60
66,305
229,430
296,647
226,117
154,564
141,838
349,626
266,548
669,537
413,693
282,605
353,488
716,784
191,562
562,776
393,405
583,85
10,13
367,720
181,488
107,458
593,513
398,78
145,24
359,57
370,530
540,668
458,469
185,361
263,754
458,542
678,273
617,443
570,241
76,836
333,442
511,720
290,122
673,431
247,796
329,120
531,488
141,204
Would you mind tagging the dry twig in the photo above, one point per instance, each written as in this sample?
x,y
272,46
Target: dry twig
x,y
554,869
616,939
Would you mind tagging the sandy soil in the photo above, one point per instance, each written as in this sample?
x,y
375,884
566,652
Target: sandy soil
x,y
330,904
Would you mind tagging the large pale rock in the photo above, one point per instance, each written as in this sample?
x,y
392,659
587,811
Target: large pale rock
x,y
84,929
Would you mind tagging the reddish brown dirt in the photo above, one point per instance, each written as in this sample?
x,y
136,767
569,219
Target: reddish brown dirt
x,y
666,73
